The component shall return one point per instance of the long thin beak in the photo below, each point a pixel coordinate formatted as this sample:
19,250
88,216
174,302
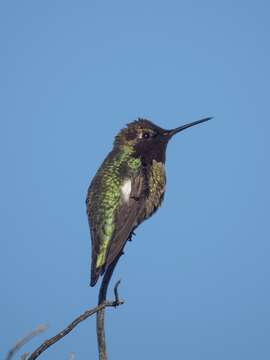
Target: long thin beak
172,132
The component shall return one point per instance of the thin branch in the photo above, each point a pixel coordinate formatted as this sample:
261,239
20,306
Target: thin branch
72,325
100,323
115,290
20,343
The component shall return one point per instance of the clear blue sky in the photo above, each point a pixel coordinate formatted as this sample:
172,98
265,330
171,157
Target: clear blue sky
196,277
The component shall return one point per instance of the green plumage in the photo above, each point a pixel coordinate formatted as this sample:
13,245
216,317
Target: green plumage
104,199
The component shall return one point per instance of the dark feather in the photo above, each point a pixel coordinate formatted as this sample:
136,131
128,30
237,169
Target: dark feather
126,219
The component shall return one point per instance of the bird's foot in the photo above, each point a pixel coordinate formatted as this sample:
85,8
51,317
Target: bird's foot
130,235
136,198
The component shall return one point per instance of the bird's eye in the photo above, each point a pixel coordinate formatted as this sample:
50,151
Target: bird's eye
146,135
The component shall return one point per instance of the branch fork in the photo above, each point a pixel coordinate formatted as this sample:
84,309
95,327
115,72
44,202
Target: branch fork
47,343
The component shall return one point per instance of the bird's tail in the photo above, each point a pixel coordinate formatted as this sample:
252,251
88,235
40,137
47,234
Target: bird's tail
95,272
94,279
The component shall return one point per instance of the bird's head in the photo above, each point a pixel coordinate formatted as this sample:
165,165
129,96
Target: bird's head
137,132
146,138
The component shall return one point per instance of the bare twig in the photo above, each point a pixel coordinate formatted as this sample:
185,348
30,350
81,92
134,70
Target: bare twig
115,290
72,325
100,324
20,343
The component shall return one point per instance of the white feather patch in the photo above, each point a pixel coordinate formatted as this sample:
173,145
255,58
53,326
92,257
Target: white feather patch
126,189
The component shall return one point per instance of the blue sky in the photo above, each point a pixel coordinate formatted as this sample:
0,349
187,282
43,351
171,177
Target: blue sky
196,277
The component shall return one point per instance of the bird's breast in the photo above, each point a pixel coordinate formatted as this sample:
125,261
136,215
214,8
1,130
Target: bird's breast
156,188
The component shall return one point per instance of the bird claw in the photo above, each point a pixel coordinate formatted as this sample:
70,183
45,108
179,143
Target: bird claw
130,235
136,198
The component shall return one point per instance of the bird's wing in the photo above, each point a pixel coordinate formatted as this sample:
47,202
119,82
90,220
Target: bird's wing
110,233
126,218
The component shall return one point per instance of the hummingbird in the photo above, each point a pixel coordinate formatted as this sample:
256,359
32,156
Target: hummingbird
127,189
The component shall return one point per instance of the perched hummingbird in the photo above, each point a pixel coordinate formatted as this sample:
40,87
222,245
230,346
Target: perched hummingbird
127,189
